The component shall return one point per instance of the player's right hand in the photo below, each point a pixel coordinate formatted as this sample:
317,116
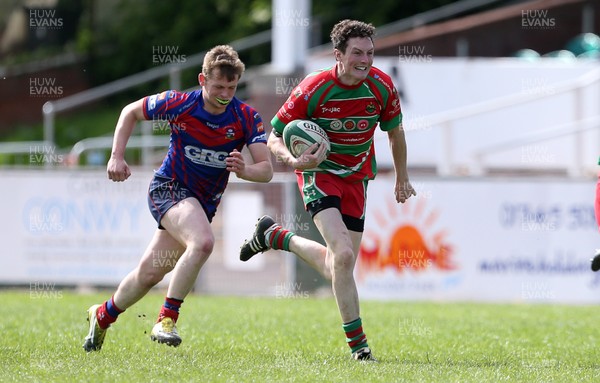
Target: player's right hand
117,170
312,157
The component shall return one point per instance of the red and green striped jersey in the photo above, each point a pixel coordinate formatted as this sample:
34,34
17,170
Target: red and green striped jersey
349,115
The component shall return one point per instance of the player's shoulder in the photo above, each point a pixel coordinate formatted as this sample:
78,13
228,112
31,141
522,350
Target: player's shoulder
316,78
312,82
245,108
379,77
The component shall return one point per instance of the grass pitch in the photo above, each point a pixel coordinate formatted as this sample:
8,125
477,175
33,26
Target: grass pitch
232,339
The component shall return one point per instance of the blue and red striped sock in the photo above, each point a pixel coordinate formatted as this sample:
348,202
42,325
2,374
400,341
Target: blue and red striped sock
170,309
108,313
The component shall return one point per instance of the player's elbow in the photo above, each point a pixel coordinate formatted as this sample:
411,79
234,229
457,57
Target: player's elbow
268,172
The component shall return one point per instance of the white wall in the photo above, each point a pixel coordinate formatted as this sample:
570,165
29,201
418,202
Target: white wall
431,87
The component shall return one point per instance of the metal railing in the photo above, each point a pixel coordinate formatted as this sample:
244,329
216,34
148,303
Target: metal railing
51,108
447,119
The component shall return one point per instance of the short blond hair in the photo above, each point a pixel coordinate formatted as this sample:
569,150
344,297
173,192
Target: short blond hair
224,58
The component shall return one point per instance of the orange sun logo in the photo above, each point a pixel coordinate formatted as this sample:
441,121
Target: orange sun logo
399,241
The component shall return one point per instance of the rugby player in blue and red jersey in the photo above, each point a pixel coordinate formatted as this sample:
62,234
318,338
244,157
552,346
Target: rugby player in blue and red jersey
209,128
349,101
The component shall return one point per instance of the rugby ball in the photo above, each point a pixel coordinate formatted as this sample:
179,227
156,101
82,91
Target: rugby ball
298,135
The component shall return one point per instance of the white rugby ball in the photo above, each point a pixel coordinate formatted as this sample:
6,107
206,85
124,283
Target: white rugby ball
298,135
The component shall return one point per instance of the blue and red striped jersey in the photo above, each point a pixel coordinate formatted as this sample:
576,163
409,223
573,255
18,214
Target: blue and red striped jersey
201,141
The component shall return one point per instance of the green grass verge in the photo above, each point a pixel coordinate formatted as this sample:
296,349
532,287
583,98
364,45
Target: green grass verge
233,339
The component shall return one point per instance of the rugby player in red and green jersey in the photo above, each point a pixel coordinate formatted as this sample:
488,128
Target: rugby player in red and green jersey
349,101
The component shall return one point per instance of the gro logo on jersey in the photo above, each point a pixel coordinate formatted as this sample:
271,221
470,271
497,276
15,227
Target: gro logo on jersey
206,157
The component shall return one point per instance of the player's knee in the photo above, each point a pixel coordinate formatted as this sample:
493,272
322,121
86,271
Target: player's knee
203,247
343,260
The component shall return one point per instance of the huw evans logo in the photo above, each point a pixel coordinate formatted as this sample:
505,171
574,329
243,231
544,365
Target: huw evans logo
537,19
411,245
44,19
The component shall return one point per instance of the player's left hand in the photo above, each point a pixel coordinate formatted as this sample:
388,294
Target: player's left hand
404,191
235,163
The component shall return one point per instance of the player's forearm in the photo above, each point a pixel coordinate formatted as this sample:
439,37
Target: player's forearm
279,150
259,172
399,155
125,125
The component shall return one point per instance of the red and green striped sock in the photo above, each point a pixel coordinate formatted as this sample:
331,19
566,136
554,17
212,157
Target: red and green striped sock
355,337
278,238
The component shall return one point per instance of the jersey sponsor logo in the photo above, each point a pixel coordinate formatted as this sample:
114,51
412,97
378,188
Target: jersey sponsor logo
381,80
259,138
314,89
211,125
297,92
335,125
290,105
285,114
186,106
371,108
349,124
260,127
351,140
363,124
332,109
396,105
230,133
206,157
152,102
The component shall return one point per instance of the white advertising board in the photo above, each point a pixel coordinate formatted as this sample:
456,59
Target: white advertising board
481,240
72,227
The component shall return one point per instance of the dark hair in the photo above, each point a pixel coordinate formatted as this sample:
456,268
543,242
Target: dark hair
226,59
347,29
